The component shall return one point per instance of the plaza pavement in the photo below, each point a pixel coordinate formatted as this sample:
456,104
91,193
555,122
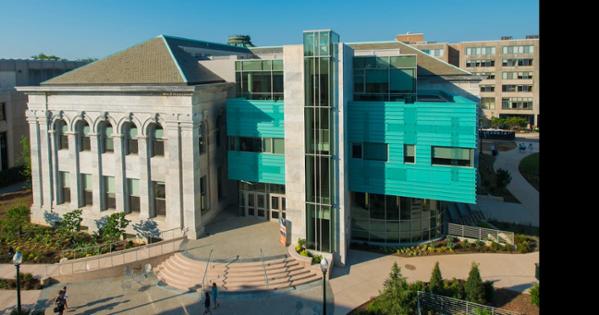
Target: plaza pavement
519,186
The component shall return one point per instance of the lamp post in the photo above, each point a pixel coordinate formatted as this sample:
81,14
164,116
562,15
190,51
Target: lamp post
17,259
324,265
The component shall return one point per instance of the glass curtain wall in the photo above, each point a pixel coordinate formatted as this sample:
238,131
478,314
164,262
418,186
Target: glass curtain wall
320,66
259,79
390,78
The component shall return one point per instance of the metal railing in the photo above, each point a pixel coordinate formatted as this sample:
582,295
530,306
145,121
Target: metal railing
206,269
439,304
114,258
480,233
264,268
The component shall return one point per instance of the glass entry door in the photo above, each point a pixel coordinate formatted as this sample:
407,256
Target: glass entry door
277,207
254,203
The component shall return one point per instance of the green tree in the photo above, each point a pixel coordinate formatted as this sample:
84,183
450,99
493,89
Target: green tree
474,287
534,295
114,227
71,221
396,297
42,56
502,179
16,218
435,285
26,157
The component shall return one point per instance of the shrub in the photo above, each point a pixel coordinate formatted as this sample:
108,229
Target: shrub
502,179
16,219
316,259
474,287
436,283
534,295
71,221
114,227
396,297
455,288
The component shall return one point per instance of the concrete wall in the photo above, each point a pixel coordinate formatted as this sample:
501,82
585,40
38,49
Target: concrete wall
295,164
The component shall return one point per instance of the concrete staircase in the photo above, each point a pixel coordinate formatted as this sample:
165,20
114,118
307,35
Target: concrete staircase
184,273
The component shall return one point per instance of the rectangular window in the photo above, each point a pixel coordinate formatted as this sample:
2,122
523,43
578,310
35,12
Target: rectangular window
508,88
356,150
131,144
84,139
157,142
110,190
87,189
2,111
409,153
133,191
375,151
108,142
65,191
203,195
487,88
487,102
278,146
63,138
452,156
159,198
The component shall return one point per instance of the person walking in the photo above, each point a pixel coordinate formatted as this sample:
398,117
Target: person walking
59,303
207,303
215,294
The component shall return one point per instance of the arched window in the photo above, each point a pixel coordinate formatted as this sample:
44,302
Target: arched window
106,138
62,140
83,132
130,132
157,138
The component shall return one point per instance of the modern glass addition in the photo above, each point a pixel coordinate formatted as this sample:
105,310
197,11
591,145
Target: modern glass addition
259,79
390,78
452,156
320,78
394,219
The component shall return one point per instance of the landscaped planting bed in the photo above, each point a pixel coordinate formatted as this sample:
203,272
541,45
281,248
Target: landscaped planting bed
28,282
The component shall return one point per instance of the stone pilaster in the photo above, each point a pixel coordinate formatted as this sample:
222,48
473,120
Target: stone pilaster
173,180
145,183
120,180
75,182
46,162
36,174
97,182
55,174
190,164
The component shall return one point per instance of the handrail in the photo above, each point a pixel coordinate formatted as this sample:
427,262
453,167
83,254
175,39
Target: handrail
206,269
264,268
480,233
451,305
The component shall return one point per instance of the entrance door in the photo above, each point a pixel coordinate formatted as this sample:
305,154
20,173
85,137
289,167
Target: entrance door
255,203
277,207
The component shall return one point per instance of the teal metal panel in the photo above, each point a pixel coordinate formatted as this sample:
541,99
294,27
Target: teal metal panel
423,124
256,167
254,118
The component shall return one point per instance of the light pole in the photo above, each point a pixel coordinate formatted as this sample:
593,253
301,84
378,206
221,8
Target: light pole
17,259
324,265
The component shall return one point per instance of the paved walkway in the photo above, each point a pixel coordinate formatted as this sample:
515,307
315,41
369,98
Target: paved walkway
505,211
364,277
519,187
230,235
8,299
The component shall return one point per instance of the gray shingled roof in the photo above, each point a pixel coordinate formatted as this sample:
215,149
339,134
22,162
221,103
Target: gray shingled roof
161,60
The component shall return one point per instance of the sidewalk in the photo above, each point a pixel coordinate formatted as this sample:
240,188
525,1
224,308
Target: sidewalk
367,272
519,187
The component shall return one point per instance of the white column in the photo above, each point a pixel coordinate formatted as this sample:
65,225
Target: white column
120,179
145,183
46,162
36,174
173,181
75,183
97,184
55,173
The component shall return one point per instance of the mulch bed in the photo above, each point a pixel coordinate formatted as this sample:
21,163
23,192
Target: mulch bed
514,301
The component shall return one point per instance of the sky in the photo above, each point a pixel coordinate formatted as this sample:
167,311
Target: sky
75,29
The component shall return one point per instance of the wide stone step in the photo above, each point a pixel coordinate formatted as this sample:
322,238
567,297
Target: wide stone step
260,278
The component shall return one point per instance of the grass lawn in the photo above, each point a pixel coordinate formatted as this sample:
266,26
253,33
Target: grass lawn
486,183
529,168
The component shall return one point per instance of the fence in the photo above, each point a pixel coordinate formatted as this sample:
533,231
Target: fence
115,258
480,233
429,303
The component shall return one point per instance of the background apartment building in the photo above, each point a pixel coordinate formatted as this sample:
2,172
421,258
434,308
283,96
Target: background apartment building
509,67
13,125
